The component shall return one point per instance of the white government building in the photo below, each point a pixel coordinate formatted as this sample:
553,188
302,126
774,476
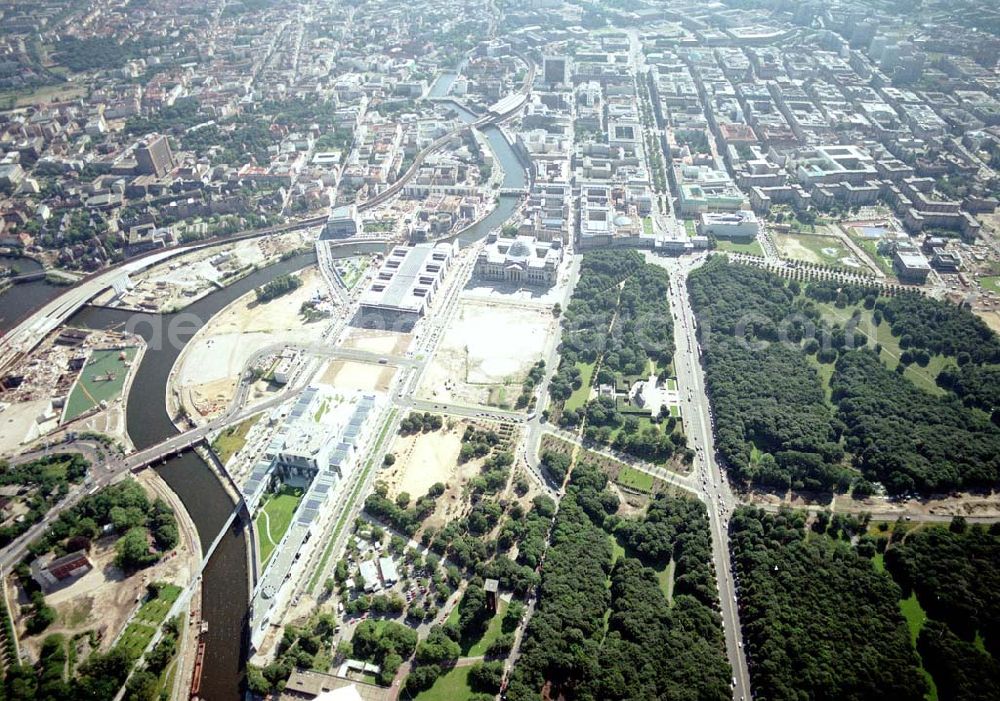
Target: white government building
521,259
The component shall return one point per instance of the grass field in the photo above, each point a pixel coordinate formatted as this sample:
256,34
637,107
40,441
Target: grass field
274,518
922,377
632,478
813,248
352,269
870,247
89,391
232,440
647,226
915,617
492,633
666,579
664,576
990,283
752,247
690,227
451,686
579,397
143,625
46,93
914,614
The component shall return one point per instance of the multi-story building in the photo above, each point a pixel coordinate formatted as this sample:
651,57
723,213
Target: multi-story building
153,156
522,259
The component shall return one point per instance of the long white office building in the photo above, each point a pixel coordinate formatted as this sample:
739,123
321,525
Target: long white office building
318,445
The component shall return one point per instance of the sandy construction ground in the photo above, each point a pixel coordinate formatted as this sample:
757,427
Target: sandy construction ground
349,374
17,424
423,459
211,363
486,353
376,341
179,281
992,319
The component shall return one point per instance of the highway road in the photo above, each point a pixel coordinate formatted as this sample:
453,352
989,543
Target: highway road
714,488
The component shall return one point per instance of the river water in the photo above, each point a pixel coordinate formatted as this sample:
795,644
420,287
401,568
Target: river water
19,300
225,596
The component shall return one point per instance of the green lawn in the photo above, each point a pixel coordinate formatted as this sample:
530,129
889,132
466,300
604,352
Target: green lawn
922,377
690,227
232,440
752,247
665,576
147,619
870,247
634,479
914,614
351,270
825,371
156,610
451,686
101,379
579,396
279,507
990,283
135,639
813,248
647,226
915,617
491,634
617,549
475,648
318,416
666,579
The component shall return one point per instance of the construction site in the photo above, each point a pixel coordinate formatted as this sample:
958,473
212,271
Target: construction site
73,380
175,283
209,368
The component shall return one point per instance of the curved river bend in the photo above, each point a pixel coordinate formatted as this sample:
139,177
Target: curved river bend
225,597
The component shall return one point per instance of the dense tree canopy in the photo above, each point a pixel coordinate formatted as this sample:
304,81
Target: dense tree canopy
765,393
956,576
819,621
940,327
620,309
909,439
591,638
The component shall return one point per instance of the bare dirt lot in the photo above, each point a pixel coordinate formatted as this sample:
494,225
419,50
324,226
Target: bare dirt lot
377,341
423,459
183,279
946,505
486,353
349,374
